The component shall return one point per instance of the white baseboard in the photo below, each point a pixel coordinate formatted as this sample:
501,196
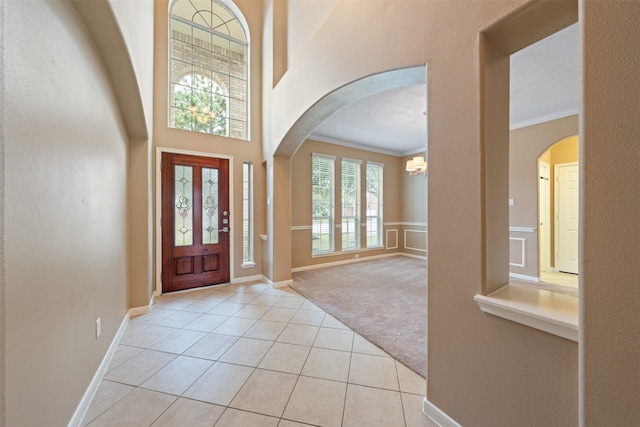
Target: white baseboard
247,279
282,284
89,394
437,415
524,277
422,257
353,260
137,311
345,261
276,285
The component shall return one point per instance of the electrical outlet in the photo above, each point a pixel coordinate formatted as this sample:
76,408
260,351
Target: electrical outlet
98,331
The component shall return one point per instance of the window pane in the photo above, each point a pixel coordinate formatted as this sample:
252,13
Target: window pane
183,201
247,212
237,109
209,206
238,90
350,204
374,205
221,57
238,61
322,204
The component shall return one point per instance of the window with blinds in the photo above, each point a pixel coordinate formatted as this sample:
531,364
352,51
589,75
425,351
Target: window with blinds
322,207
374,204
350,204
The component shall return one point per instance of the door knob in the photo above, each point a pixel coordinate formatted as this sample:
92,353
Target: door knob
224,230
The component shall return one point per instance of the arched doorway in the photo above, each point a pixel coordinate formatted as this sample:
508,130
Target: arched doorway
558,190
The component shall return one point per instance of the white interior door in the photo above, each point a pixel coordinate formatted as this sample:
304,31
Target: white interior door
544,216
566,209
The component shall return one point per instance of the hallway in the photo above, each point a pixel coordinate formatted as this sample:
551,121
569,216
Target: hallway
249,355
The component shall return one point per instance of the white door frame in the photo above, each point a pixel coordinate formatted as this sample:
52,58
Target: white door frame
556,193
158,204
544,216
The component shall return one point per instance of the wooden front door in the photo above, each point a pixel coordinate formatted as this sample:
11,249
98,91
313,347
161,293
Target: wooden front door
195,221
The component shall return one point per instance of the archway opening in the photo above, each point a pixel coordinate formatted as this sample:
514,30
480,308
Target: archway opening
558,206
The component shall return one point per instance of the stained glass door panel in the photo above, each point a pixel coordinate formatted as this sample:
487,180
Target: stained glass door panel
195,221
210,206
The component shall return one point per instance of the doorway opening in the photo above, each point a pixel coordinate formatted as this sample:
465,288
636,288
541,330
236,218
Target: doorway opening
558,206
544,94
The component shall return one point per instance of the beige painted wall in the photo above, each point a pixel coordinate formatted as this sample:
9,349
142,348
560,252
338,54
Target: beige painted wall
414,190
301,198
610,214
65,200
482,370
304,19
526,145
412,234
174,139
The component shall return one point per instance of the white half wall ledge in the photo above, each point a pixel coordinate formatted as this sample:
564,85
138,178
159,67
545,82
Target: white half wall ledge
547,311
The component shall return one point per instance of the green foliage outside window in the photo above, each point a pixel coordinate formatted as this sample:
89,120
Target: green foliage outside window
201,105
322,185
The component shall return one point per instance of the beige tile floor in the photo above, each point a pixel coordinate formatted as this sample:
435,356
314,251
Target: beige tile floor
249,355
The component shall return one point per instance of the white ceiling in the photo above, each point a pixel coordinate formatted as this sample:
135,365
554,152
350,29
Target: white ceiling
544,86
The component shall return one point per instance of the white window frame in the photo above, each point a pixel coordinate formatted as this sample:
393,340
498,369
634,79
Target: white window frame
358,195
247,216
219,79
380,209
317,224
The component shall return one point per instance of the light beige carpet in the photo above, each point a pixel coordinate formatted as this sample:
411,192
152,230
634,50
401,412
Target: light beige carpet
384,300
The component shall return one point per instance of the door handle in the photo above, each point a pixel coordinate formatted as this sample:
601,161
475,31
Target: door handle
224,230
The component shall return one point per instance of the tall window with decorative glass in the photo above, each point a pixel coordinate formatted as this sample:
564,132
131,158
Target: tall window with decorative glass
208,69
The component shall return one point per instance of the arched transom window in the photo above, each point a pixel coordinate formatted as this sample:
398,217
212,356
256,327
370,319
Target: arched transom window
208,71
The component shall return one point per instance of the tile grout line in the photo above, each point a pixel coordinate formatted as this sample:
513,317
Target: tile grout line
346,390
404,415
272,341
